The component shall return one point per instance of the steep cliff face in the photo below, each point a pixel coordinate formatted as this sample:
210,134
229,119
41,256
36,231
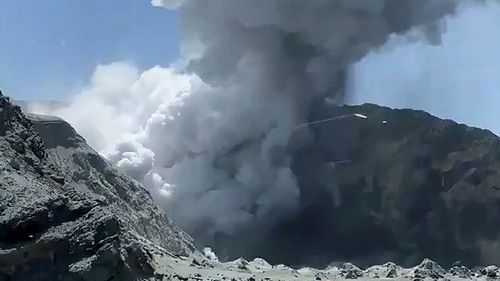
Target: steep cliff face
388,185
66,214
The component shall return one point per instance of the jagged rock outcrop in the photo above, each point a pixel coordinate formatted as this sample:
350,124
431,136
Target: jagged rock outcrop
387,270
66,214
428,269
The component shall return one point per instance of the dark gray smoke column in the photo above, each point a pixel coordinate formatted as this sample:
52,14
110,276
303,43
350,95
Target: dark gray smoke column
301,48
291,54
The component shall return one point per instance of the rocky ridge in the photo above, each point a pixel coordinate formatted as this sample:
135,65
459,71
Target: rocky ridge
67,214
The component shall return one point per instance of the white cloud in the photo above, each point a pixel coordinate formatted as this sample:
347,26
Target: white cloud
169,4
119,101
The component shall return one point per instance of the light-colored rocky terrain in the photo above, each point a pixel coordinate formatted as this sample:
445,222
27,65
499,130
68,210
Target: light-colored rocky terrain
200,268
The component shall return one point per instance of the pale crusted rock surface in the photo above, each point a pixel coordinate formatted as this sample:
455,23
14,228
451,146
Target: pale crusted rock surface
197,268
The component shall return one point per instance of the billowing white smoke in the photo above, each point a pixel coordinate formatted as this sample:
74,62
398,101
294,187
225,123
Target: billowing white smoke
118,101
212,144
209,254
180,137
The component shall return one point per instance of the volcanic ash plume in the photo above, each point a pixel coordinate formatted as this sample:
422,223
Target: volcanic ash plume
213,144
224,159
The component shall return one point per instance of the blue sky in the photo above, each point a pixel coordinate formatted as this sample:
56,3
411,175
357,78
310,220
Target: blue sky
48,48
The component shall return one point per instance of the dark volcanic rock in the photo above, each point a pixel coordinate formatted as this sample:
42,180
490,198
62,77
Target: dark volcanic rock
461,271
491,271
66,214
399,185
350,271
428,269
387,270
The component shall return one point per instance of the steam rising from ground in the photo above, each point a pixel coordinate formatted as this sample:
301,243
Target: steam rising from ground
212,142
